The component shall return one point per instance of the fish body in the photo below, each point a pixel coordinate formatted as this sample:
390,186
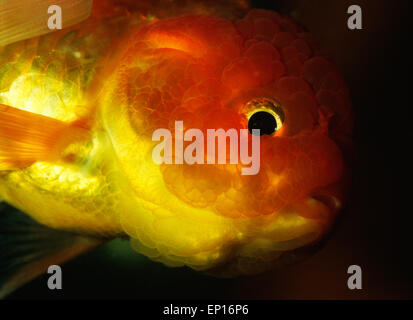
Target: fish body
92,95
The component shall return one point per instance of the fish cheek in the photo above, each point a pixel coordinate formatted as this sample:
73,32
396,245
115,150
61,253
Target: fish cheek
197,185
296,166
301,113
325,165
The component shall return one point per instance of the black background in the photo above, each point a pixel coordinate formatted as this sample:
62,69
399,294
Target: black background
375,230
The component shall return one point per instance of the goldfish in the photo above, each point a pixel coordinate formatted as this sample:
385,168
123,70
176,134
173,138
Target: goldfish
79,107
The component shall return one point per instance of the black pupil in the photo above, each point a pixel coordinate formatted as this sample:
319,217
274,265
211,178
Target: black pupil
264,121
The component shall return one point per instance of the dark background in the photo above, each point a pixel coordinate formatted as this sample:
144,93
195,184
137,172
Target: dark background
375,230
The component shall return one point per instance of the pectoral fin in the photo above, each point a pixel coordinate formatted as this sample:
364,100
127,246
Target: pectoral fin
26,137
27,248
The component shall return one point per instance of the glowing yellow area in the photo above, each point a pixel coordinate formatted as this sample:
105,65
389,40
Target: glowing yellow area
75,195
63,176
45,95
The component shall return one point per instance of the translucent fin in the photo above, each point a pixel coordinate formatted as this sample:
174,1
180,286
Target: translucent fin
28,248
27,137
24,19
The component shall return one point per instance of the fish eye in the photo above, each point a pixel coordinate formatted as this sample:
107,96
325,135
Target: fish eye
264,114
264,121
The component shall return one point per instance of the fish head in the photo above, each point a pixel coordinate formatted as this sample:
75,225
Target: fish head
206,73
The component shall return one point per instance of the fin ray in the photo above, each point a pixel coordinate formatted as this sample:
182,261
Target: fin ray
26,137
24,19
28,248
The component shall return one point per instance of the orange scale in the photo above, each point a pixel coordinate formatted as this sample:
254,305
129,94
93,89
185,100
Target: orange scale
145,89
308,102
169,107
156,120
138,46
256,185
302,169
142,79
286,192
245,28
326,155
330,171
288,25
276,159
175,91
193,75
263,73
303,47
229,48
173,77
289,52
212,87
204,109
223,118
265,28
228,211
154,99
278,70
196,104
310,39
240,74
203,25
325,115
303,58
294,175
249,43
261,205
294,66
266,207
192,92
140,100
316,171
283,39
262,55
164,109
225,93
287,86
242,209
165,73
298,118
165,93
315,69
213,66
263,50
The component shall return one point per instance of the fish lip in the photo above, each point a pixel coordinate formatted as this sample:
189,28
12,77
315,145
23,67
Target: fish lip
330,201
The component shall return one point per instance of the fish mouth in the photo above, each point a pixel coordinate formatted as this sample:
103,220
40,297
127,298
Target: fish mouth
330,201
319,207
